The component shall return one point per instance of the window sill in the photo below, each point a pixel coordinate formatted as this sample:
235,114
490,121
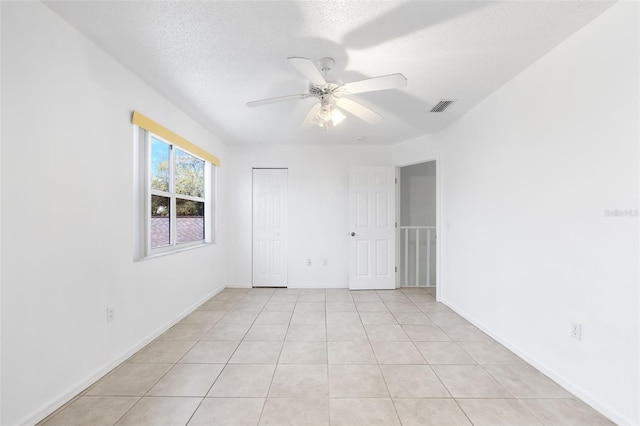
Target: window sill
170,252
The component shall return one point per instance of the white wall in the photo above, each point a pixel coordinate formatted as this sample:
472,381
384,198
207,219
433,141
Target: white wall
526,179
67,184
318,208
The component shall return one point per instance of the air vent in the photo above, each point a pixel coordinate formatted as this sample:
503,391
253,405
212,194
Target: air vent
442,105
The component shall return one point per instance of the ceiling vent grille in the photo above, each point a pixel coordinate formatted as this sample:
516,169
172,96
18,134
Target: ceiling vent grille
442,105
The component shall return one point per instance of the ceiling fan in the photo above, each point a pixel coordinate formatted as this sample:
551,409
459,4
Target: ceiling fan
333,94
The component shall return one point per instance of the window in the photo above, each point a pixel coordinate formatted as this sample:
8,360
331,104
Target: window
173,196
176,196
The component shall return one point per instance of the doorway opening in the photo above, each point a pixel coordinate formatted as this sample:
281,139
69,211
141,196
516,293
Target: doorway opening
417,226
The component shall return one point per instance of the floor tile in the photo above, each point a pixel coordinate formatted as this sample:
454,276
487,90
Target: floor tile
309,307
432,307
203,317
295,412
392,296
371,307
160,411
362,412
343,318
311,297
163,351
386,333
226,332
238,318
263,333
403,307
415,318
249,307
187,380
338,295
130,380
313,317
256,353
228,412
465,333
274,306
346,333
469,381
243,380
359,381
227,296
524,381
365,296
443,353
212,305
306,333
420,297
182,331
430,412
299,381
337,306
303,353
566,412
413,381
397,353
426,333
350,353
377,318
319,356
498,412
490,353
256,298
92,410
210,352
273,318
263,291
286,297
447,319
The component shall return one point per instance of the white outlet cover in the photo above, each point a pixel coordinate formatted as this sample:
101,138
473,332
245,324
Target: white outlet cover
576,330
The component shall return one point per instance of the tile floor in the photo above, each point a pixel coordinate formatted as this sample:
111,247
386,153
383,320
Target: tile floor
320,357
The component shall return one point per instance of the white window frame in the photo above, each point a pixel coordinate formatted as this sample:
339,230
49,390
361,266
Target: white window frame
143,193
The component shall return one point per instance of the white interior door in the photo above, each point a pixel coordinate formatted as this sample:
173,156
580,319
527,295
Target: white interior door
270,227
372,244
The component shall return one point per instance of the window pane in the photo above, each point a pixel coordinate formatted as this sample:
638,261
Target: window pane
190,220
189,174
159,165
160,226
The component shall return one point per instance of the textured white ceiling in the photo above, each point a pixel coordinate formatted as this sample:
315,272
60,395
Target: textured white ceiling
210,58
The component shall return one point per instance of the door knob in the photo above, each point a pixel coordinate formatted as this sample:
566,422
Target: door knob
353,234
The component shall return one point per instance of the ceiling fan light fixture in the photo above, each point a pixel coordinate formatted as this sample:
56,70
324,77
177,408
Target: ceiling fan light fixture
331,92
337,116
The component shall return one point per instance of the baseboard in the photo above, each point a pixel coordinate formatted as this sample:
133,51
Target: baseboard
67,396
238,286
324,285
577,391
297,286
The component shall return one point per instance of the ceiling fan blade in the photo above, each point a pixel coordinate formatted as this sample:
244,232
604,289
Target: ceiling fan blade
391,81
311,115
308,70
359,110
277,99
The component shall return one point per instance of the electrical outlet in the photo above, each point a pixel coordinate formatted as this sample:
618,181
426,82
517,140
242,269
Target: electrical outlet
576,330
325,262
308,262
110,316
